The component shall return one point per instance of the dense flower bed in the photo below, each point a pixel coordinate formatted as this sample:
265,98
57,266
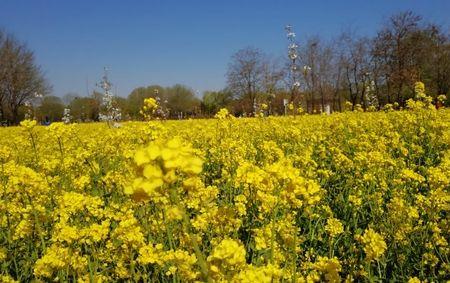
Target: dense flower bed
356,196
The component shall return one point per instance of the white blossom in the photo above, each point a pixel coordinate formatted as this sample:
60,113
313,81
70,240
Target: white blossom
111,113
66,116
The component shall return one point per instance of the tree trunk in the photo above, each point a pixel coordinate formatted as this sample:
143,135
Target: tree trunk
15,115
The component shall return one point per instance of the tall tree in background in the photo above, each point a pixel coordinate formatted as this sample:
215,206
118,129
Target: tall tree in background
253,77
84,109
2,75
273,74
319,74
356,69
181,100
396,55
137,96
326,76
51,108
20,78
433,58
244,76
309,57
337,75
68,97
213,101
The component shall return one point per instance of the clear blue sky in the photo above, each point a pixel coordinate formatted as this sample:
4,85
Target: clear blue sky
187,42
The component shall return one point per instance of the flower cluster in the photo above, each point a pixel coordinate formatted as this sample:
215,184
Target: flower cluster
149,108
162,163
374,244
223,114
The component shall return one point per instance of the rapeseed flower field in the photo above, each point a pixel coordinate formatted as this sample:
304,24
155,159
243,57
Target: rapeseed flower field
341,197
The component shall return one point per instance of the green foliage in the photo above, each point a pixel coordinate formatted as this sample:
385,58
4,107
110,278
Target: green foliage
84,109
51,107
135,100
212,101
181,99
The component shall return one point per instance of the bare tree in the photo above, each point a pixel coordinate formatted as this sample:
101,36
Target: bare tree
245,74
272,75
337,78
395,55
2,76
325,75
272,78
20,78
309,56
432,58
356,68
321,74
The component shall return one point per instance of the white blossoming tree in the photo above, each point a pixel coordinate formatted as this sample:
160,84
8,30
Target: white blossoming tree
111,113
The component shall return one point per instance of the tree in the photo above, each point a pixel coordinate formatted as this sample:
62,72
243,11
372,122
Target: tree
273,74
137,96
321,74
244,76
20,78
309,56
213,101
433,58
122,104
2,75
51,108
181,100
356,67
396,56
84,109
68,97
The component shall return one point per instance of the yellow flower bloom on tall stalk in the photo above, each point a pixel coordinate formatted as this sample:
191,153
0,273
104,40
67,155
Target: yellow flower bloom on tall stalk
263,274
149,108
421,101
222,114
162,162
419,88
414,280
334,227
374,244
227,258
329,267
442,98
264,106
291,106
28,124
2,254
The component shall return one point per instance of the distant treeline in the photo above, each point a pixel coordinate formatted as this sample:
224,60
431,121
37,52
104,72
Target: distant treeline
349,68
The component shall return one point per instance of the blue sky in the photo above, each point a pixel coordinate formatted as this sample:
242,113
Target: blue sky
187,42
